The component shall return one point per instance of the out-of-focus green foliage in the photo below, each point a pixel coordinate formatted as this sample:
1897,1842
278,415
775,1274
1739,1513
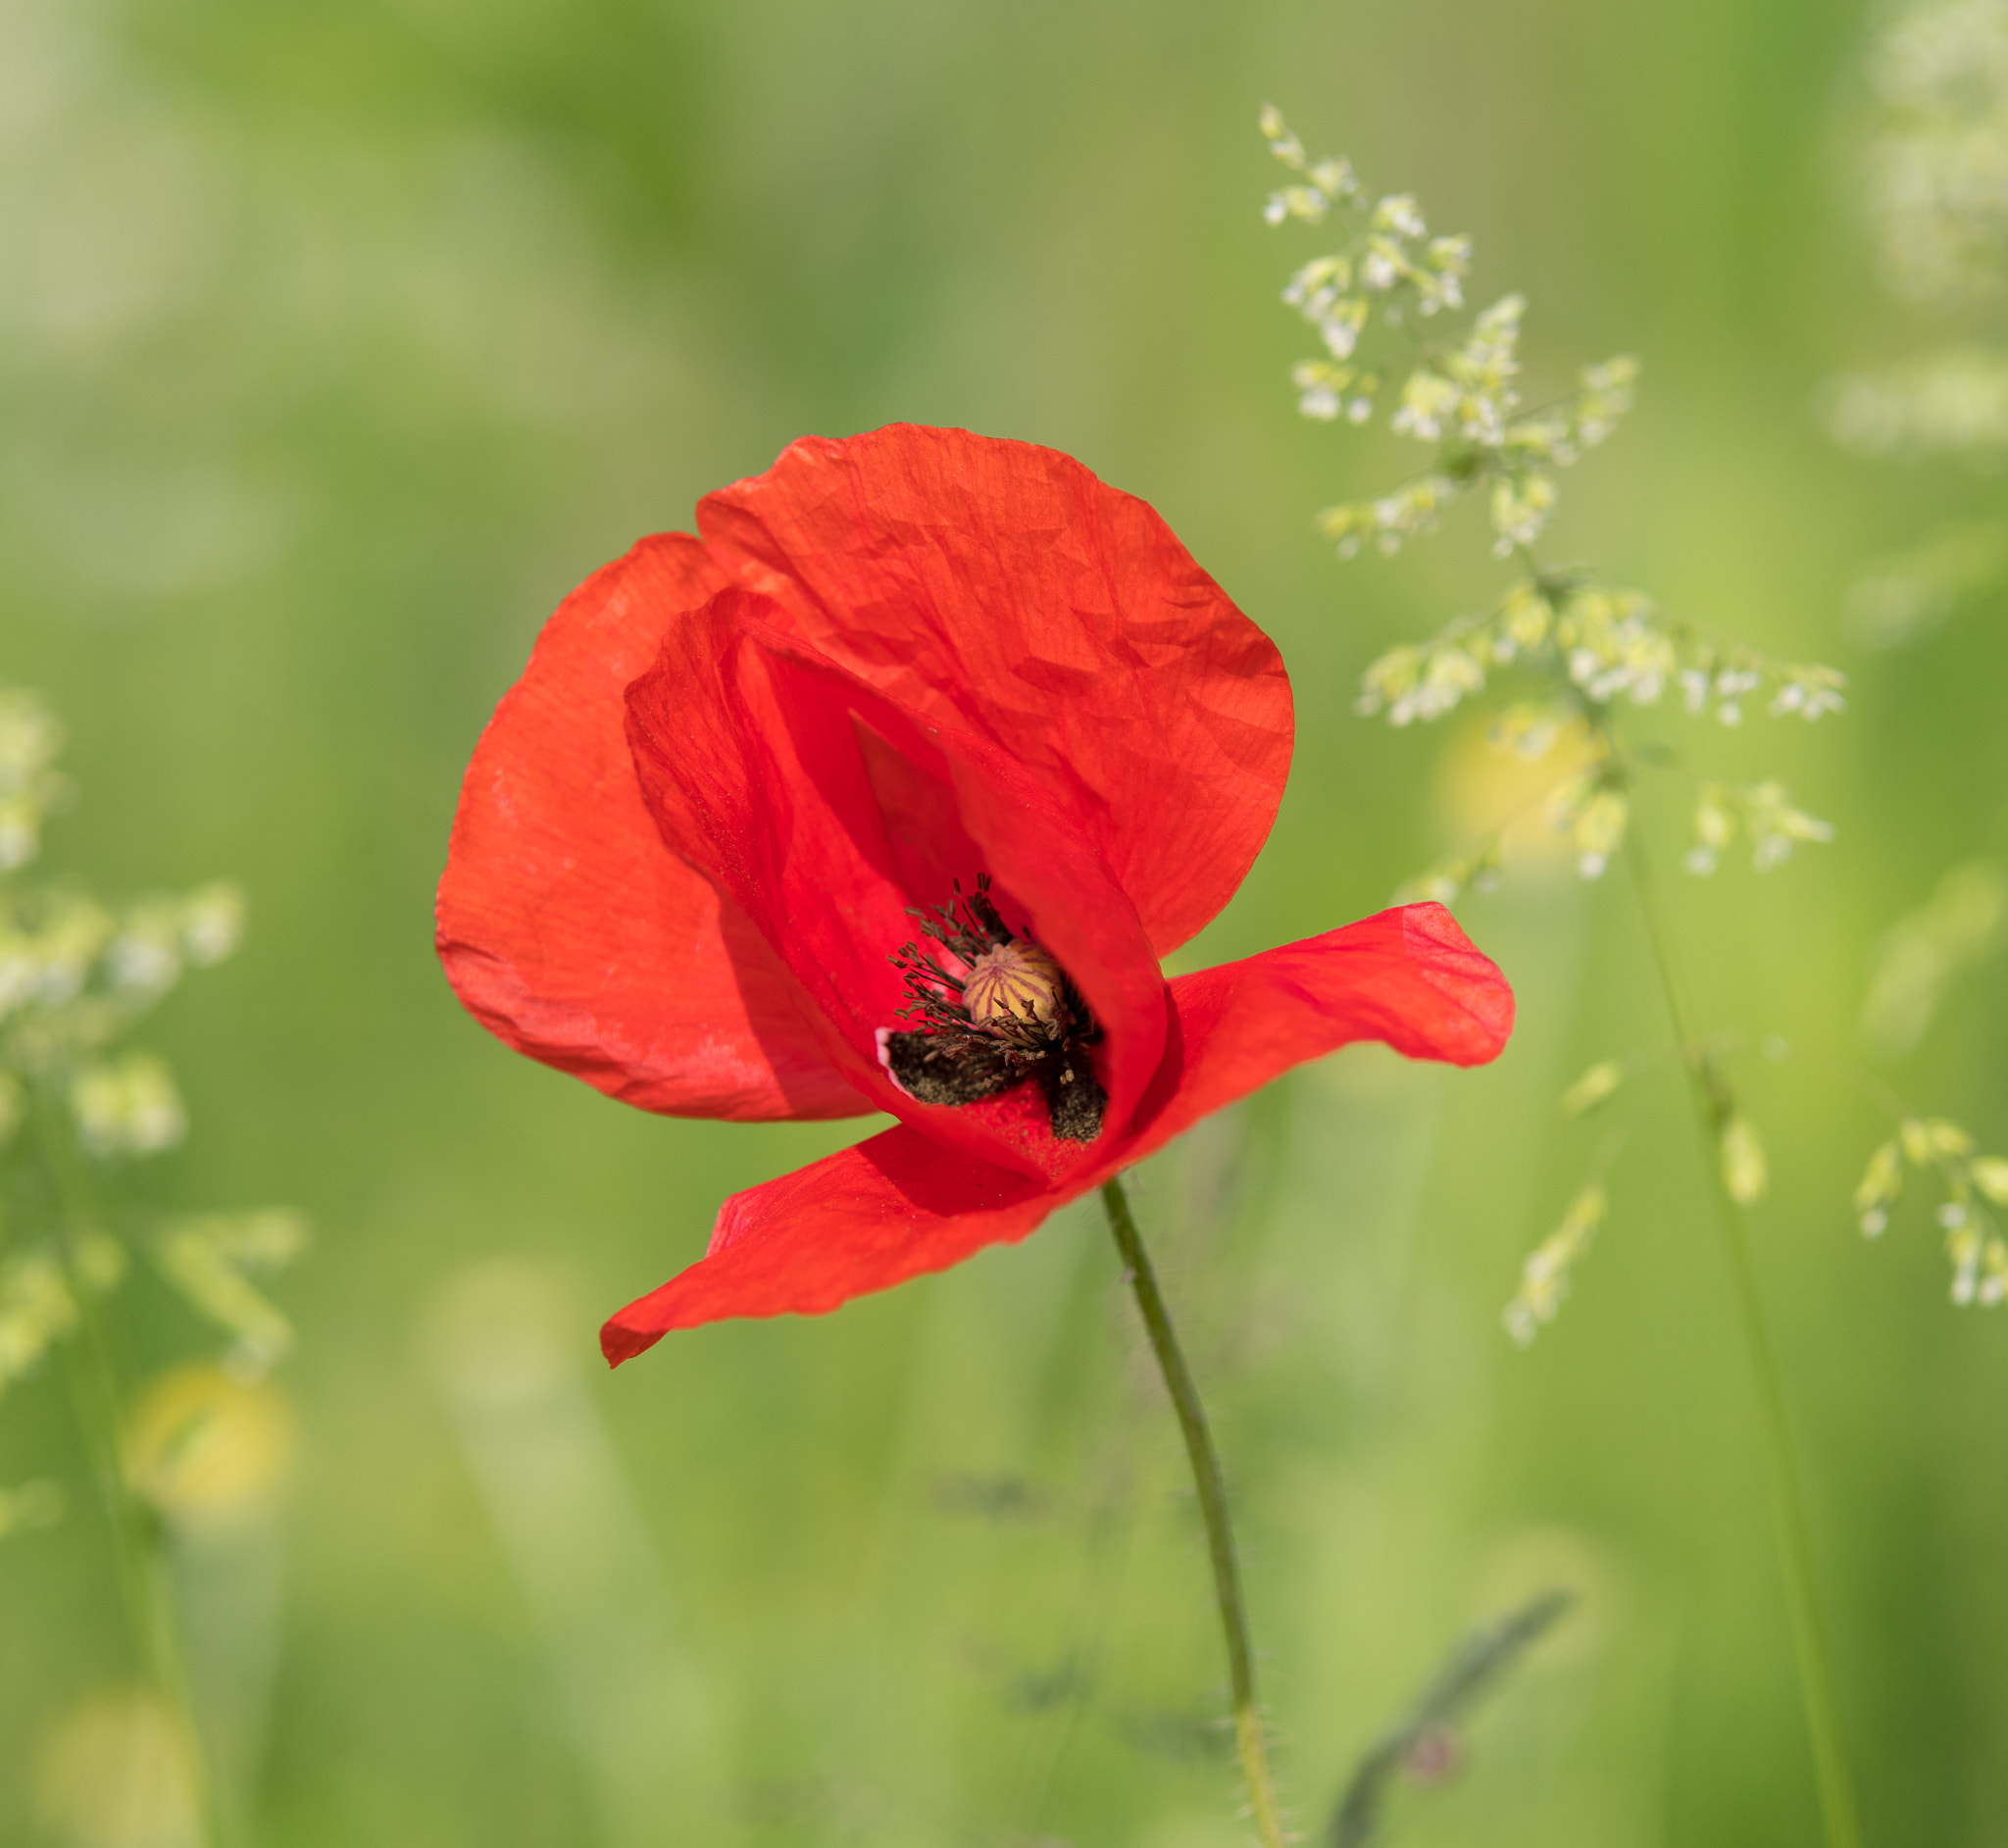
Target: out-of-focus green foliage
338,342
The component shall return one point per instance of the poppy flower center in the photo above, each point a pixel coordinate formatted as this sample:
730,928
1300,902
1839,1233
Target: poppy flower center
1015,981
991,1009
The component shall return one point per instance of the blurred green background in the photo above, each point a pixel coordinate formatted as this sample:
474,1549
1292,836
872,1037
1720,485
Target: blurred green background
338,342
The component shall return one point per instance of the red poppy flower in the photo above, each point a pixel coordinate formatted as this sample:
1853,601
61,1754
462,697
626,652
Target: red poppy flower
917,674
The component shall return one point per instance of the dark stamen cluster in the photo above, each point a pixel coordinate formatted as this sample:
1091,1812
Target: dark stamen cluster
991,1010
965,927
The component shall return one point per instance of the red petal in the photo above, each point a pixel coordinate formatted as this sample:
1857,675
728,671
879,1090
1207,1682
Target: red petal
863,1220
567,928
752,771
1408,977
1052,884
899,1205
818,806
1000,588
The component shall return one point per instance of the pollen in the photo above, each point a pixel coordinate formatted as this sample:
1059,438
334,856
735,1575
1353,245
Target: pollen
1015,981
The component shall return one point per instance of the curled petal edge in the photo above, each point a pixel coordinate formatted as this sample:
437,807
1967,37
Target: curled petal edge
898,1205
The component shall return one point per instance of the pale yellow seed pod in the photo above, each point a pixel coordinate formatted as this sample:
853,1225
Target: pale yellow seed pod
1544,1274
1880,1184
1713,823
1600,830
1962,1245
1990,1173
1744,1171
1586,1214
1526,617
1993,1286
1592,1088
1947,1138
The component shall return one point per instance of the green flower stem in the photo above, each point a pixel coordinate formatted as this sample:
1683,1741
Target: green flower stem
1213,1506
135,1529
1714,1104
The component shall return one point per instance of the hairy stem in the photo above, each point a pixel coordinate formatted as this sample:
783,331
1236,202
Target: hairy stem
1714,1104
136,1533
1213,1506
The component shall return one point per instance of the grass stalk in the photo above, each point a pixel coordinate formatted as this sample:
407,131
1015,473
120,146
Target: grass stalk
136,1528
1714,1107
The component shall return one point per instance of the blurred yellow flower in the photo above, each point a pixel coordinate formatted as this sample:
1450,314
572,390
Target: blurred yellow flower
1493,780
116,1773
203,1447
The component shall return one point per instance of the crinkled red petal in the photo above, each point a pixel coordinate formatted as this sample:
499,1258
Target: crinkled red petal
900,1204
1051,884
829,814
1408,977
1105,695
863,1220
567,928
1001,589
